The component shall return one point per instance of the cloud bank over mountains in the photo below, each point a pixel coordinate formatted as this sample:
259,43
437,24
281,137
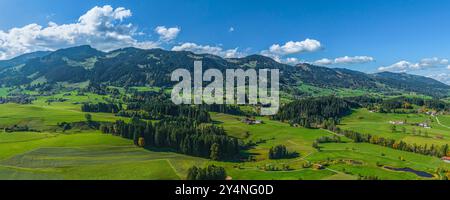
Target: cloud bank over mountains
102,27
436,68
291,47
215,50
107,28
345,60
167,34
406,66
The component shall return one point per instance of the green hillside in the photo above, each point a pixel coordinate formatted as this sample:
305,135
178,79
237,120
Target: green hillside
82,153
84,114
138,67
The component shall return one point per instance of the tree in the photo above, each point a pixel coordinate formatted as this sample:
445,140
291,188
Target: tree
136,137
247,134
280,151
393,128
88,118
141,141
407,105
66,127
215,152
445,150
211,172
180,134
321,112
271,153
192,173
315,145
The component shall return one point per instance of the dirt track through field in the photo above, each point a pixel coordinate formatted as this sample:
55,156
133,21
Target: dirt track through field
439,122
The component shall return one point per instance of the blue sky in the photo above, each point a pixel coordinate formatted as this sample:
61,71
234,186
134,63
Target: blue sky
393,35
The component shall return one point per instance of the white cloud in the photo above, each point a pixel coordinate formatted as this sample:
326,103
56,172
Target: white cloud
354,59
432,62
401,66
404,66
442,77
271,55
197,48
167,34
323,61
102,27
147,45
291,61
215,50
281,59
345,60
292,47
233,53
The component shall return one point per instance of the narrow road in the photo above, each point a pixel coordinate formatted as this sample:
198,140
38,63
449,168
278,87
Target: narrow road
439,122
330,132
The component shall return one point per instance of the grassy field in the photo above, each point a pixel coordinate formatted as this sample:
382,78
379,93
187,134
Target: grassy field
365,158
91,155
314,91
23,137
42,115
364,121
3,92
97,156
81,156
147,89
271,133
341,156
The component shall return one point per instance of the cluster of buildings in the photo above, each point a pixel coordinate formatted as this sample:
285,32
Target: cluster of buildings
251,121
422,124
397,122
431,113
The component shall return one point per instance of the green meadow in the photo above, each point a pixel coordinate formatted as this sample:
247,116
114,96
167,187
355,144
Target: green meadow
91,155
43,115
81,156
95,156
3,92
364,121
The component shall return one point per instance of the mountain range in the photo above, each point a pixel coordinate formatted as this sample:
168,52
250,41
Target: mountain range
153,67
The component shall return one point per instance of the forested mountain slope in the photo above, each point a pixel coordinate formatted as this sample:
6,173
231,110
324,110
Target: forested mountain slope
138,67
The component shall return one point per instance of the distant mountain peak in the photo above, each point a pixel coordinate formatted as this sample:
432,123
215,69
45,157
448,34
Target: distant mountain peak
22,59
78,53
138,67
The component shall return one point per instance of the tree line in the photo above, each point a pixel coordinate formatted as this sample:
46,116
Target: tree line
19,99
101,107
154,110
433,150
158,107
312,112
329,139
210,172
280,152
392,104
179,134
223,108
